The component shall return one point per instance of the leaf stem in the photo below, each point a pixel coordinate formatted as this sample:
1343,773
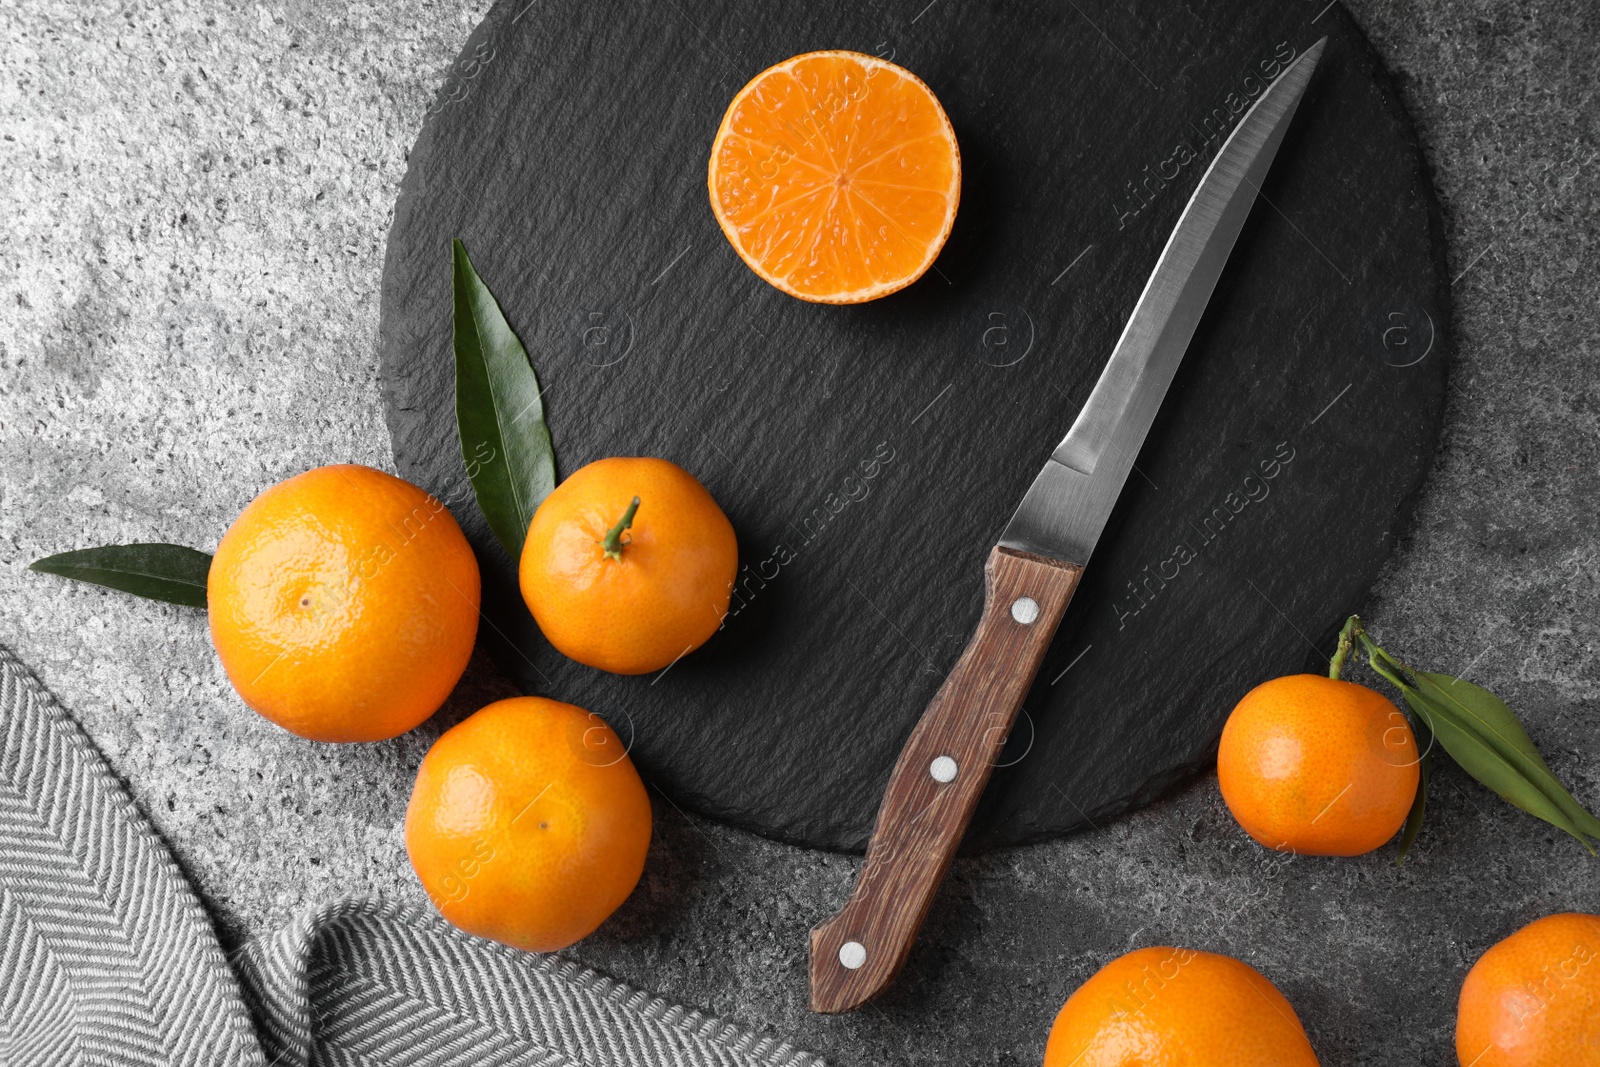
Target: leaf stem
1385,665
1352,629
613,542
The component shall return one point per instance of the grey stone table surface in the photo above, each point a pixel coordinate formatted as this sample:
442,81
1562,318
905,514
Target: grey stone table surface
196,198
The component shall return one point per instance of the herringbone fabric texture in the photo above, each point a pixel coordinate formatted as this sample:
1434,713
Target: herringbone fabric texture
106,957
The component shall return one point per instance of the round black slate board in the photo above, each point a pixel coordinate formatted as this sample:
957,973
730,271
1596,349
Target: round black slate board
869,456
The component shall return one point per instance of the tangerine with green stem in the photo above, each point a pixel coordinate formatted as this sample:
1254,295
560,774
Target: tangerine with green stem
628,565
1318,765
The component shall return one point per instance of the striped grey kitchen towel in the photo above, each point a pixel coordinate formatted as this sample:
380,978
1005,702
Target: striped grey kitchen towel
106,957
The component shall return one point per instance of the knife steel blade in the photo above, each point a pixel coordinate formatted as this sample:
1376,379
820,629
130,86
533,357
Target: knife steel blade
1032,573
1062,514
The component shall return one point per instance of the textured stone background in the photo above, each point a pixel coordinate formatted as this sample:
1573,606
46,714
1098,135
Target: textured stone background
195,203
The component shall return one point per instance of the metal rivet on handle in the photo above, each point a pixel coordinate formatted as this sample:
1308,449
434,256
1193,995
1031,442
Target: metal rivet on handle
1025,609
853,954
943,769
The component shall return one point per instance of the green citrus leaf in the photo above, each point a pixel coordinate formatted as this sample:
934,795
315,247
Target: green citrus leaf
1419,803
1480,759
171,573
1489,717
499,416
1487,712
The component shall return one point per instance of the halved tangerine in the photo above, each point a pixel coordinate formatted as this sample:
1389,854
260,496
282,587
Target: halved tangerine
835,176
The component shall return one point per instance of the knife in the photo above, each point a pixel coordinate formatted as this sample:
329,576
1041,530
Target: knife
1031,574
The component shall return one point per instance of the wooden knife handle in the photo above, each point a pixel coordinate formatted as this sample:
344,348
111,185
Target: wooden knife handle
937,780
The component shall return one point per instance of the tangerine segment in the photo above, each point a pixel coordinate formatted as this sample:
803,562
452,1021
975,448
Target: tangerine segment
835,176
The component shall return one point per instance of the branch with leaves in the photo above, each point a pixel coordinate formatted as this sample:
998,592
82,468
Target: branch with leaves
1477,730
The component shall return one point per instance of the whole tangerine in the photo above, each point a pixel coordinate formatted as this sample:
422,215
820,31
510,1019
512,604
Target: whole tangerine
1177,1007
528,823
1318,766
628,565
1533,1000
343,604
